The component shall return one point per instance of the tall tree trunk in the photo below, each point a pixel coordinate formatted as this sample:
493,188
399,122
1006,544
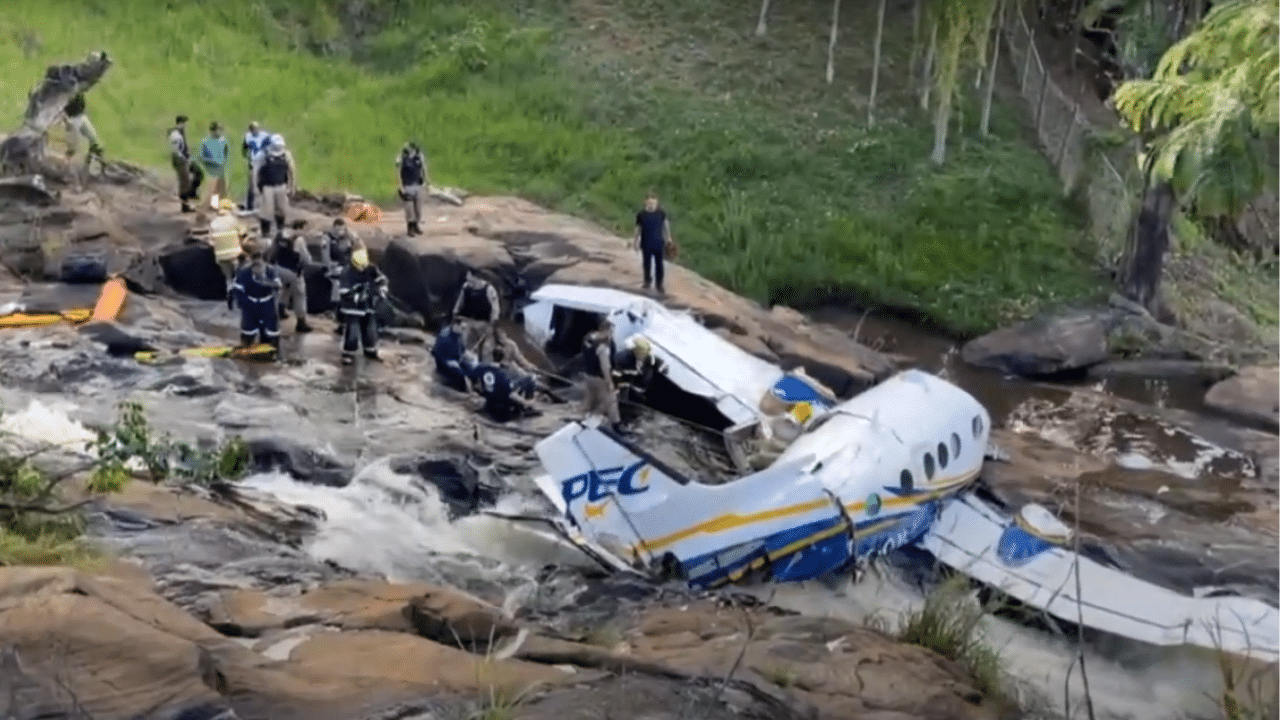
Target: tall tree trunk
875,68
915,37
762,25
926,74
984,125
1148,242
22,152
831,44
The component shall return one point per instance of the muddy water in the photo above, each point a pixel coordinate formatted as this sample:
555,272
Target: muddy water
1001,393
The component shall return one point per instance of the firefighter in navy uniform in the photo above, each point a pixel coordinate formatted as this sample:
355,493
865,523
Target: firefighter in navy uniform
289,254
477,300
600,397
362,284
499,386
338,246
256,290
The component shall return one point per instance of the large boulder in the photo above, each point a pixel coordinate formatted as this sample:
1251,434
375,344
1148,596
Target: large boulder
1251,395
519,247
1046,345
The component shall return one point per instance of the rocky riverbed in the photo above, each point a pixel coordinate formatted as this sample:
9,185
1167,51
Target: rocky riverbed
350,577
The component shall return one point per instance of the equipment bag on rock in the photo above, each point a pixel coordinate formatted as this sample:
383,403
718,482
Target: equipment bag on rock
83,269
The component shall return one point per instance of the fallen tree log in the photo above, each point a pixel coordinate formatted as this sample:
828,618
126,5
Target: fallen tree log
22,153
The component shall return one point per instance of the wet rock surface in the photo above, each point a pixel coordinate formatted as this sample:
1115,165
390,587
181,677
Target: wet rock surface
225,607
1252,395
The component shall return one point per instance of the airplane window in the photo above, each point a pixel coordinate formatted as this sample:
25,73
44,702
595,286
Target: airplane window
977,426
942,456
955,445
928,466
907,482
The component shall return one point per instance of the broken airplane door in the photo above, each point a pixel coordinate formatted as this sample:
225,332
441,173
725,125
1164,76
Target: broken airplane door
780,522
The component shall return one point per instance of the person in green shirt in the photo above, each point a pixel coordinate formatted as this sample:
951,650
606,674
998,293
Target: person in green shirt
214,152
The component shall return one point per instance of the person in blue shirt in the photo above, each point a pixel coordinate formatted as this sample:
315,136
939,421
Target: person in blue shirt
256,292
213,155
254,147
499,386
653,235
448,352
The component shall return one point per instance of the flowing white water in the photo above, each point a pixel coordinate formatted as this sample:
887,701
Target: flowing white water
396,525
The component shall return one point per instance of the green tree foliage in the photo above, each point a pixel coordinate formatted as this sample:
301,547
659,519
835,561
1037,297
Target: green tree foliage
39,525
963,30
1209,112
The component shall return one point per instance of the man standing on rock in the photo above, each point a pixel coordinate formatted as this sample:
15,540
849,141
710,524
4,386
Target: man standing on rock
256,291
253,149
362,285
600,398
277,180
478,300
189,174
213,153
412,166
653,233
78,126
289,256
338,243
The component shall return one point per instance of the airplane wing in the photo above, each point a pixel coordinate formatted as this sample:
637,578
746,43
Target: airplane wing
990,547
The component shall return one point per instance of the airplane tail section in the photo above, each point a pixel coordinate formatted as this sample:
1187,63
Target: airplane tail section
781,521
602,483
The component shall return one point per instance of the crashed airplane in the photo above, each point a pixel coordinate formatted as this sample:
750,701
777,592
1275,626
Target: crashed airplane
894,466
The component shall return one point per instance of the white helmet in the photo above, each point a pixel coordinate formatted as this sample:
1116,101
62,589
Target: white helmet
277,139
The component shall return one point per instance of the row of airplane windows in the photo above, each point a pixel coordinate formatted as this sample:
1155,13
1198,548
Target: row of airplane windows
908,481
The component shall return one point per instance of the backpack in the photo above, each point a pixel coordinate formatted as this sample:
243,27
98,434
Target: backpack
83,269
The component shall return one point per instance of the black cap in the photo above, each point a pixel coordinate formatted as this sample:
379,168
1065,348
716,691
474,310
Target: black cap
180,119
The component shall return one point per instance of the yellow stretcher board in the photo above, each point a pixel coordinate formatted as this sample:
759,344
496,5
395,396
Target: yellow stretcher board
110,304
261,351
26,320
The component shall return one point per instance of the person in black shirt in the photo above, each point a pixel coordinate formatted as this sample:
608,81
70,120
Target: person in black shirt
653,233
412,166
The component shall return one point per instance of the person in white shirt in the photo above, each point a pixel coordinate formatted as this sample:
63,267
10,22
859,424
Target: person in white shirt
253,148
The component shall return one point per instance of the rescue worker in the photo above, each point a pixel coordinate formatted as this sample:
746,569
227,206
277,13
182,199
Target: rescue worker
498,386
448,351
277,180
257,289
362,284
289,255
78,126
338,244
597,358
412,166
253,149
477,300
226,234
189,174
635,366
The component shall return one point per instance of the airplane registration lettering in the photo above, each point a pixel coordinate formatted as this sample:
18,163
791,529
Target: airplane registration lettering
596,485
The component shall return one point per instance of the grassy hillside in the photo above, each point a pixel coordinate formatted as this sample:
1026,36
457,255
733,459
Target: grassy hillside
774,184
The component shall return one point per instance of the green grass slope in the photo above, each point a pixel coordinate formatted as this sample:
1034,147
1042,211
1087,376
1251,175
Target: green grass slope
775,186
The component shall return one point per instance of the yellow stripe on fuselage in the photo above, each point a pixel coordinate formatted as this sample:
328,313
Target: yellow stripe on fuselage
730,521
